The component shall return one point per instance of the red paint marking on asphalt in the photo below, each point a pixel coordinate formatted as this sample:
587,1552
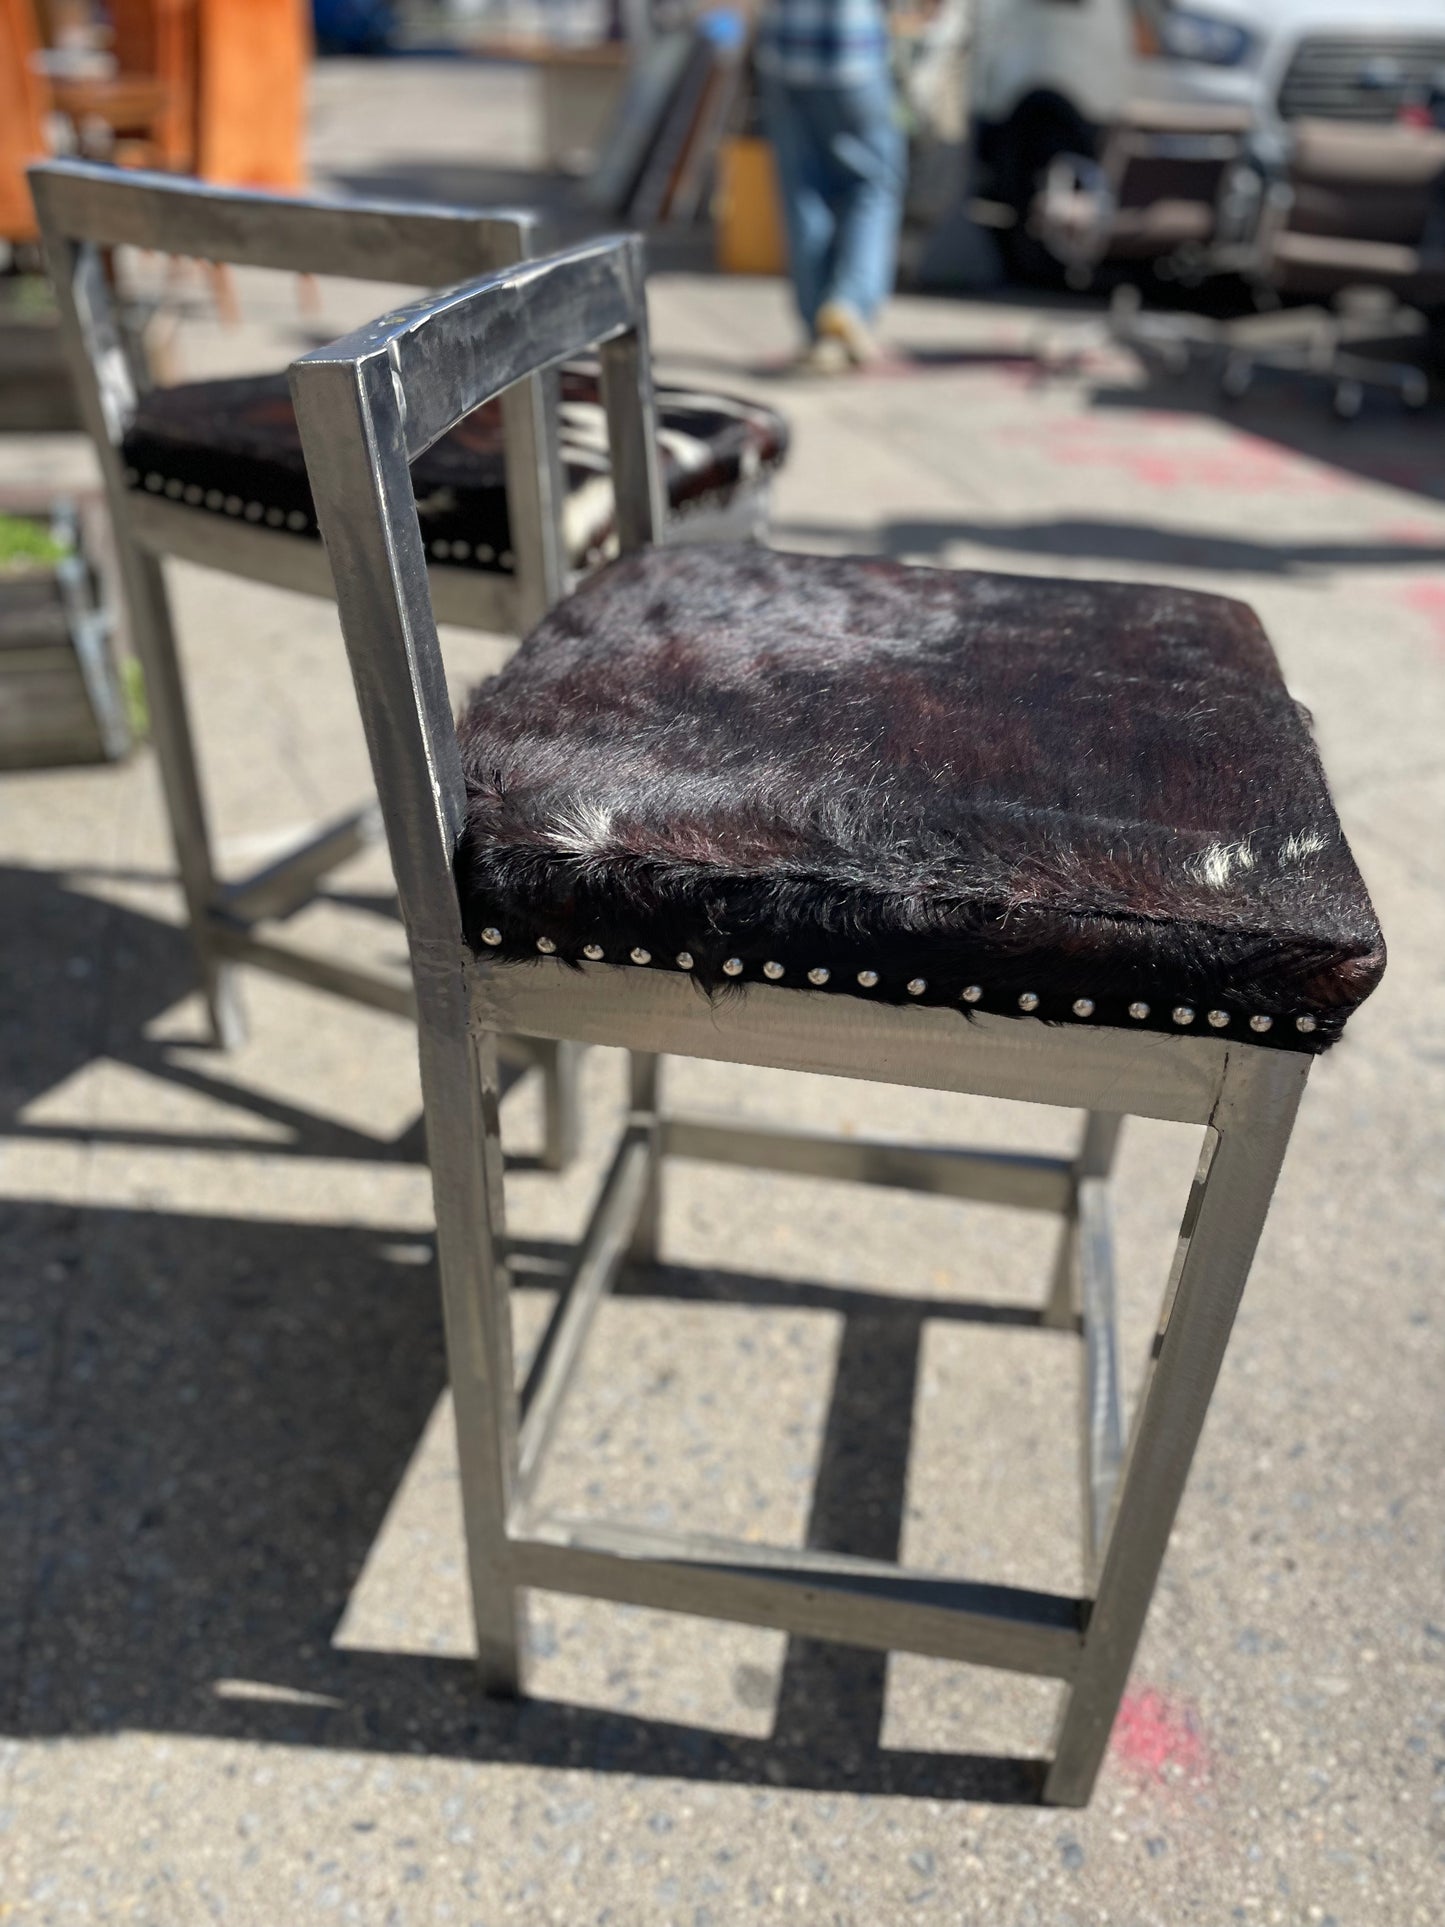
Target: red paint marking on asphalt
1158,1740
1427,599
1177,455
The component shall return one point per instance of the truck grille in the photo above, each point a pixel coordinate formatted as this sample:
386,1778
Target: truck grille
1358,76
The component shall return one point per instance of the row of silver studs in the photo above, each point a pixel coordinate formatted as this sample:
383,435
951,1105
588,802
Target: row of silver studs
193,495
445,551
1028,1002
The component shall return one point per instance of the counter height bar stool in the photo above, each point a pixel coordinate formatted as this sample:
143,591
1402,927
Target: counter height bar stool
212,472
86,210
620,846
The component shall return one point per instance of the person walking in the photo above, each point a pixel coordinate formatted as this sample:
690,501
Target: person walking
830,113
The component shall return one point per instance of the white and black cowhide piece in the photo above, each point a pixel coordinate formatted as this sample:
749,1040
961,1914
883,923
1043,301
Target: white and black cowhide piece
232,448
1080,801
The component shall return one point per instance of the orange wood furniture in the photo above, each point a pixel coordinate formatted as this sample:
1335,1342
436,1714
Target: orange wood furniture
22,118
251,97
158,37
146,110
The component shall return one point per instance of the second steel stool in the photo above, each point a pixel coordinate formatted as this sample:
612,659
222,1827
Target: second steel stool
211,473
1064,842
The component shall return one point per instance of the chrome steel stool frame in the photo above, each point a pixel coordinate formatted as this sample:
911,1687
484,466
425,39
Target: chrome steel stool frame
86,209
369,405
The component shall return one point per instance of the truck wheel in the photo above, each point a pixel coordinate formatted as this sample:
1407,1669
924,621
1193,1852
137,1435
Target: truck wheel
1028,148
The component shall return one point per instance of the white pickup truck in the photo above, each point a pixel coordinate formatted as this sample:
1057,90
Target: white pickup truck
1047,75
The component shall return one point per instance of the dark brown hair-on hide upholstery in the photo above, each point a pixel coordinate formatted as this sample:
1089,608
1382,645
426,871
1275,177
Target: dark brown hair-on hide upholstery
1076,790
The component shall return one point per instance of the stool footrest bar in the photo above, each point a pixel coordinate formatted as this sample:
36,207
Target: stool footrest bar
291,881
378,992
819,1595
599,1258
991,1177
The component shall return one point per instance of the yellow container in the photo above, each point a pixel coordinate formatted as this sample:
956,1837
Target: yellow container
747,210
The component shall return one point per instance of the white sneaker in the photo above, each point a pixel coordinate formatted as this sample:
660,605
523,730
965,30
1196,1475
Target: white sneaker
825,356
839,323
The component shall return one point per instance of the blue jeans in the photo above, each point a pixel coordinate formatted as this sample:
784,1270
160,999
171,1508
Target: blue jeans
842,166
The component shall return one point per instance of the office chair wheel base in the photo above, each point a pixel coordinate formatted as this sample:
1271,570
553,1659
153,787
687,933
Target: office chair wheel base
1349,399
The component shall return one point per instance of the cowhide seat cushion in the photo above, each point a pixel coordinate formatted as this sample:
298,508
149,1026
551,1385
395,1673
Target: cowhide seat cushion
232,448
1084,802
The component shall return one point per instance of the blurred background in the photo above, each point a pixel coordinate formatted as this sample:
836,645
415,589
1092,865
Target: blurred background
1226,159
1170,303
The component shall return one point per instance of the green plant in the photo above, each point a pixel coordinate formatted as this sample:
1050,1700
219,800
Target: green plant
27,296
27,544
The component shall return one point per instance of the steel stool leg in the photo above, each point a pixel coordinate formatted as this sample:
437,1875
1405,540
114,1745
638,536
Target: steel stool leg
560,1065
1222,1224
155,644
644,1081
463,1111
1095,1160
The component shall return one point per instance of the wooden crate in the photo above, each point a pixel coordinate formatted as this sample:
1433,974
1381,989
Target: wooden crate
60,696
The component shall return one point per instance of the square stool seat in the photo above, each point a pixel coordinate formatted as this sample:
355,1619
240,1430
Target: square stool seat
231,448
1084,802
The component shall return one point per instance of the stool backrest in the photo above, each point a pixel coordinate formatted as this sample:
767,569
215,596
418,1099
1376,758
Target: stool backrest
367,407
86,210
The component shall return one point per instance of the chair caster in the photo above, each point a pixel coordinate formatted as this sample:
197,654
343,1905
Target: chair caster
1349,399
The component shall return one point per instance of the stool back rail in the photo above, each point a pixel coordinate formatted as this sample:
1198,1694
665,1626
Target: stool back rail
86,210
368,405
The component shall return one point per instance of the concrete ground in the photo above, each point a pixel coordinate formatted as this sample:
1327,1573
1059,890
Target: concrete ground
233,1633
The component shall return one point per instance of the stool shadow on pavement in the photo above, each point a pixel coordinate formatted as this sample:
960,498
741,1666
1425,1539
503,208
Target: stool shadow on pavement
86,977
203,1421
1151,545
208,1419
